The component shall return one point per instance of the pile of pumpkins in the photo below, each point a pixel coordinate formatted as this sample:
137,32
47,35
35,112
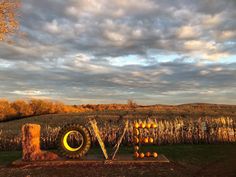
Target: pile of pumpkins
144,125
137,140
147,154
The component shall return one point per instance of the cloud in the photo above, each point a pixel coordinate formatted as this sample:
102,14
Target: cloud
116,38
52,27
29,92
114,50
228,34
120,28
186,32
80,80
212,20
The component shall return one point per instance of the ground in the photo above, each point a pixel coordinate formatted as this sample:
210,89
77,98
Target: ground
186,161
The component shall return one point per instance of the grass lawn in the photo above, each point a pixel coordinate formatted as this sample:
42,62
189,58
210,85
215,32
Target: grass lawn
189,155
6,157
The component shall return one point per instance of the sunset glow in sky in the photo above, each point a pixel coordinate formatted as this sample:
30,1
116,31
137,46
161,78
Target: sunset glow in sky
108,51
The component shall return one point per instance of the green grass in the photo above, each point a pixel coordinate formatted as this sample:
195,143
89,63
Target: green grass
199,155
6,157
191,154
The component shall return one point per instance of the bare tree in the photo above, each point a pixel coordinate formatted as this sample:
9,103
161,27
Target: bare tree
131,104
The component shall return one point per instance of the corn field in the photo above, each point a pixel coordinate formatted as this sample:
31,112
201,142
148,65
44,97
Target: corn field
175,131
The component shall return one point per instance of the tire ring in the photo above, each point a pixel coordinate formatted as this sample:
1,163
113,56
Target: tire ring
75,153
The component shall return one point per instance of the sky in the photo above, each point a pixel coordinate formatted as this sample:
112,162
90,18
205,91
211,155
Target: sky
109,51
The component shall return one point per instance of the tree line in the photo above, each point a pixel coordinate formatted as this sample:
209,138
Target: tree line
26,108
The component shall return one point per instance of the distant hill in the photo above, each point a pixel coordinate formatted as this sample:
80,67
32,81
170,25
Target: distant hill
199,109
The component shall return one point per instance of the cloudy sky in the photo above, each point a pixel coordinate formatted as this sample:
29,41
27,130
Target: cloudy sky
108,51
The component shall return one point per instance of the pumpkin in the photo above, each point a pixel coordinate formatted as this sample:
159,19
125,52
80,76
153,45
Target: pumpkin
148,125
155,154
141,155
136,125
145,140
136,154
151,140
136,140
136,132
154,125
142,125
148,154
136,148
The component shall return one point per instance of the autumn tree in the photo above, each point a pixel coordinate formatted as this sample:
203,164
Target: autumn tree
40,107
59,107
9,23
6,110
22,108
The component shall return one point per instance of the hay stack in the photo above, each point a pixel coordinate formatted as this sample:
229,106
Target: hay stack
31,144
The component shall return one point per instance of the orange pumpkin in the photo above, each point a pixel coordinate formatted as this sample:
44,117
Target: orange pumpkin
136,140
141,155
154,125
148,125
136,148
151,140
142,125
145,140
136,125
148,154
155,154
136,154
136,132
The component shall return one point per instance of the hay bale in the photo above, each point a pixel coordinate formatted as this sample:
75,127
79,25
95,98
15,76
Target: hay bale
31,144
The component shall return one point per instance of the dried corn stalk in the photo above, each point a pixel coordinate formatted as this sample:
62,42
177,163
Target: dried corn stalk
120,140
97,134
